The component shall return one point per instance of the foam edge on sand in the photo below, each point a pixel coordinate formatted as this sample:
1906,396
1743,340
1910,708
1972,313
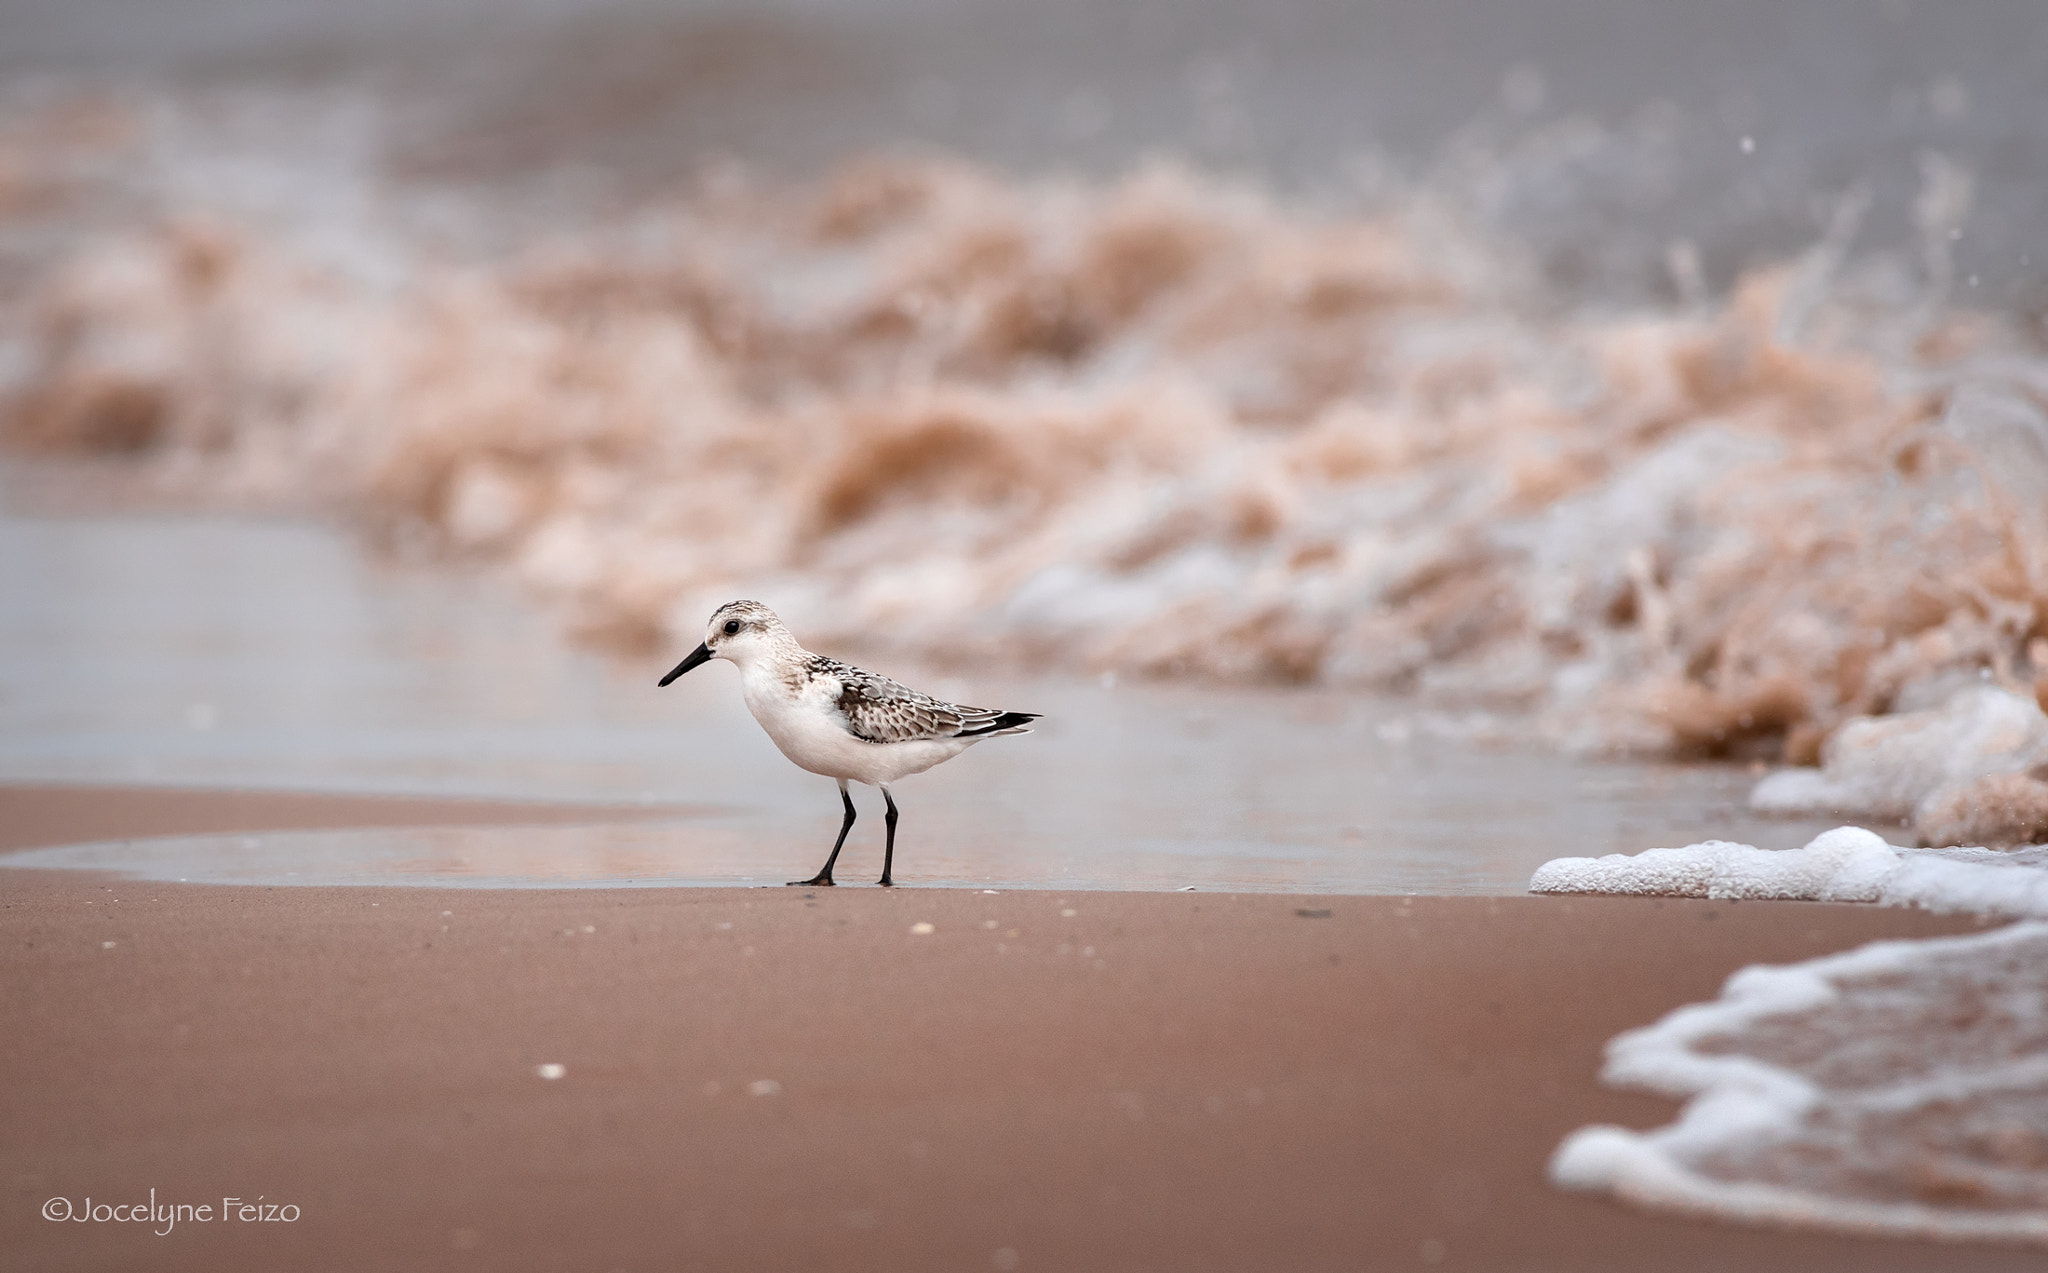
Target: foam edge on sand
1882,1092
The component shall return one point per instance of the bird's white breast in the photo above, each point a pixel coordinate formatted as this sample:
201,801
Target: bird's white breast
802,716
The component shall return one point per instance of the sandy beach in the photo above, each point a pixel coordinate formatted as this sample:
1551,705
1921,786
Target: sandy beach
798,1078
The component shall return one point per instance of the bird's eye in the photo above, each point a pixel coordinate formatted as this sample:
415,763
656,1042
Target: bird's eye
731,626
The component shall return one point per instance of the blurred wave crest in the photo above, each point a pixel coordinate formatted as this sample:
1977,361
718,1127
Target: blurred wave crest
1168,424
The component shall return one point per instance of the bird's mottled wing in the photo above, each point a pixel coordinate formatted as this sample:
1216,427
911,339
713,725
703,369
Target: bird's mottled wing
878,710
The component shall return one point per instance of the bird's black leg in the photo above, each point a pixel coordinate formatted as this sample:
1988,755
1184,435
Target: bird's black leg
889,843
823,879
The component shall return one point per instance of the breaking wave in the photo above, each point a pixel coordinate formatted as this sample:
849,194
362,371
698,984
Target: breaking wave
1169,424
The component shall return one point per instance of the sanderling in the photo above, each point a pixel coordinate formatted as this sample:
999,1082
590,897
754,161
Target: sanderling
841,721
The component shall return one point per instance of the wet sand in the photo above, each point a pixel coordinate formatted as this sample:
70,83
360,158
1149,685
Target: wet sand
1181,1080
32,815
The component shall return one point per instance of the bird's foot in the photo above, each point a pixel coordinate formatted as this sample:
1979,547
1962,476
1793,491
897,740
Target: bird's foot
886,882
822,881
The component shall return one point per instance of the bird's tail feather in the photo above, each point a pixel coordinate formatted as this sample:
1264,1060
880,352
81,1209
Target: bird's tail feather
1007,723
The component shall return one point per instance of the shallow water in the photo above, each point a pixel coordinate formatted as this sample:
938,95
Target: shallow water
187,649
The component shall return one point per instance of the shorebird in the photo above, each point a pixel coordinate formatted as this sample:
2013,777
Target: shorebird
838,720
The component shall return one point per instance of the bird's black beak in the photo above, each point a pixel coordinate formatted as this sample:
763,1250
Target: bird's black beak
702,654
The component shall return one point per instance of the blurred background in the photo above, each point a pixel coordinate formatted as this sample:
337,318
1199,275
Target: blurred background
1595,132
1587,377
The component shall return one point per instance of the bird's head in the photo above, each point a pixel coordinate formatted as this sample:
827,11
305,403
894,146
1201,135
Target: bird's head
738,631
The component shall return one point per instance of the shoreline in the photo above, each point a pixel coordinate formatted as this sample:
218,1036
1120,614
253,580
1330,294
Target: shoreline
48,814
1157,1080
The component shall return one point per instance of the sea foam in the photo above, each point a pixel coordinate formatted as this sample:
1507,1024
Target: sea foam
1900,1089
1848,864
1972,770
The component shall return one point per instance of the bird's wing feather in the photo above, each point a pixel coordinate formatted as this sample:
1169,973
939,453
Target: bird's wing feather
878,710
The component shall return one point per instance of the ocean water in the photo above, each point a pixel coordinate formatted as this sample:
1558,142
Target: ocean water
1519,387
189,648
